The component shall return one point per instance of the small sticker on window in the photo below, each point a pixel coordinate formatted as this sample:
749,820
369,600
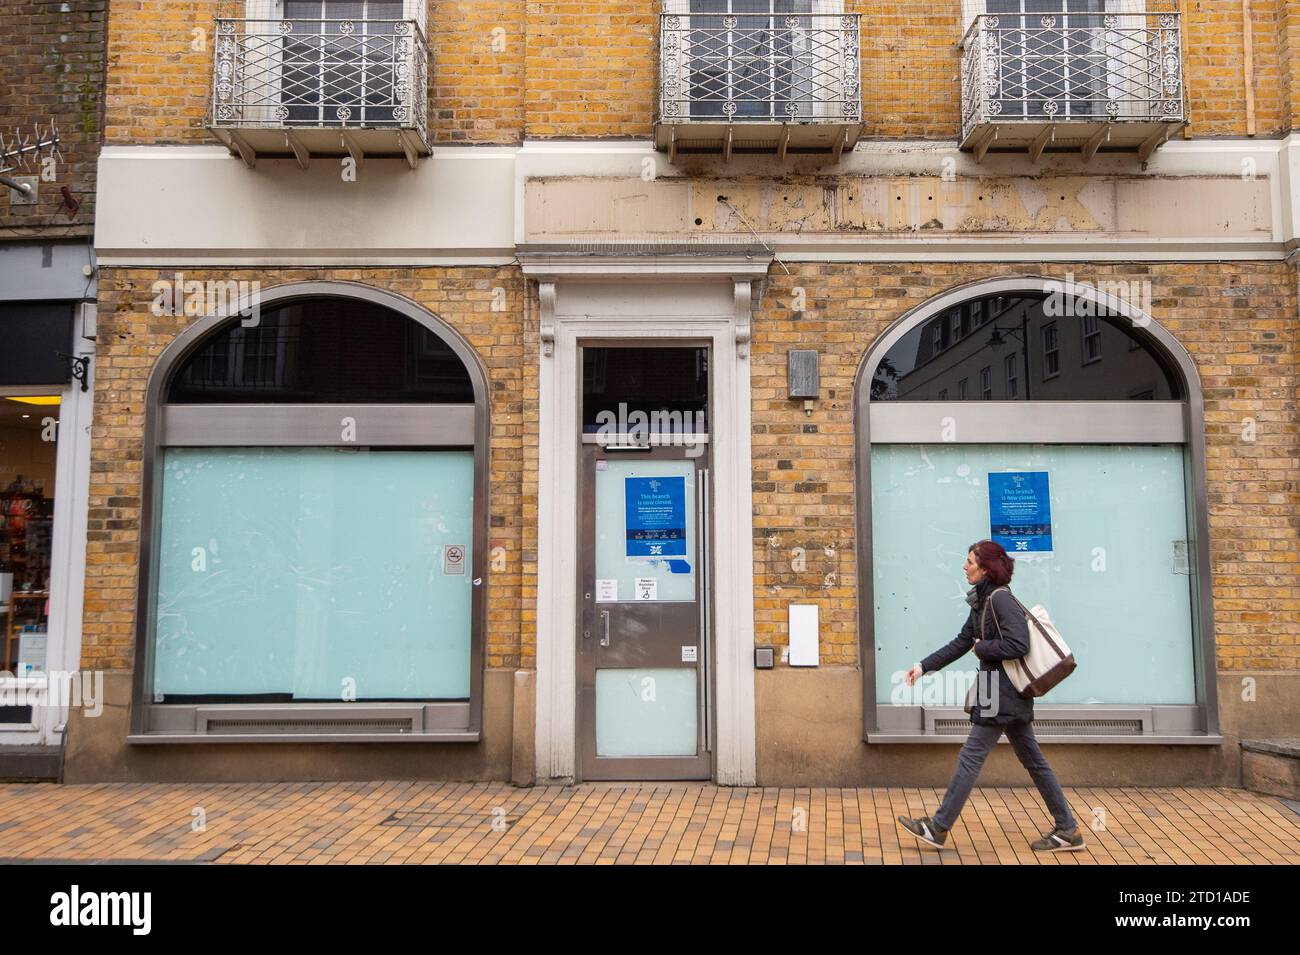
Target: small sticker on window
453,559
688,654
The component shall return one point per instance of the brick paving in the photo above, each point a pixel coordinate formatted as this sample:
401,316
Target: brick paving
396,822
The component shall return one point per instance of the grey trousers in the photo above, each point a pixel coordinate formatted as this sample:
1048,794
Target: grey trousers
971,760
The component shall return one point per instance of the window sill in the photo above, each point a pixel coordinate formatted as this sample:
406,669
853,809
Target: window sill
461,736
1099,739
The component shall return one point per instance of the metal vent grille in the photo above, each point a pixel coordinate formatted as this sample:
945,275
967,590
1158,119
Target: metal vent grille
959,727
309,726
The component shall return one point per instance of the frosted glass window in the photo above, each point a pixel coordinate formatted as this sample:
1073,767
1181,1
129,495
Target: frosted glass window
297,574
645,529
646,712
1116,582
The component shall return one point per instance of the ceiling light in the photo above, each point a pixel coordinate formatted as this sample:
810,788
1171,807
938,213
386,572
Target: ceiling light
35,399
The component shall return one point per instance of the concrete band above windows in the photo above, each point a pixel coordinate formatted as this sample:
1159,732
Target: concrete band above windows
1194,201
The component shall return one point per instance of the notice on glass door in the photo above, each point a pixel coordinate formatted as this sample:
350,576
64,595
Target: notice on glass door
1020,512
656,517
606,591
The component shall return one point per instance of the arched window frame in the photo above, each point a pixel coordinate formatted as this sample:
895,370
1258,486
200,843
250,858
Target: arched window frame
307,425
1179,421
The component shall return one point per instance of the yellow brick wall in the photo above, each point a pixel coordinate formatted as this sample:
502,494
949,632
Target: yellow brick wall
158,84
1214,67
589,68
1245,349
476,80
130,339
160,70
592,68
1288,32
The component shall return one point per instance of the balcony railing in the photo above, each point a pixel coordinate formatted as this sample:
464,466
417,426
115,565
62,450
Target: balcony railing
1072,80
759,82
321,87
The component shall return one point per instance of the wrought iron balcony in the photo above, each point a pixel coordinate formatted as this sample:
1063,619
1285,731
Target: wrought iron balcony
764,82
306,88
1073,80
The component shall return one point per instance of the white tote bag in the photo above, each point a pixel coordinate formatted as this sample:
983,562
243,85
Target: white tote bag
1049,660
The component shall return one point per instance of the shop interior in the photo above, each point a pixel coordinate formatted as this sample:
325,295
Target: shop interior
28,449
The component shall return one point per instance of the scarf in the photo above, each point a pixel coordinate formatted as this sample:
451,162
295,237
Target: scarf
978,594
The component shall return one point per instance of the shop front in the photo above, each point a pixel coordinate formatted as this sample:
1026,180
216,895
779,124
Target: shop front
46,352
312,559
1066,425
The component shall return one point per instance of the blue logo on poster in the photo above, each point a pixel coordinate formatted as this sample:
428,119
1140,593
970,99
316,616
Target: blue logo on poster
1020,513
656,516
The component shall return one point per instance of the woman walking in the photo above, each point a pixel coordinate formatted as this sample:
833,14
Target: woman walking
997,629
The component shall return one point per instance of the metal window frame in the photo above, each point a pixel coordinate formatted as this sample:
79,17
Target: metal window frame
1090,422
299,425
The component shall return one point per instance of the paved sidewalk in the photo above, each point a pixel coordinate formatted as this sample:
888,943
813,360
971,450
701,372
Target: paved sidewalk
412,822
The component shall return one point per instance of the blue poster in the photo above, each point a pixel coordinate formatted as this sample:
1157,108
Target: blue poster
1020,513
656,516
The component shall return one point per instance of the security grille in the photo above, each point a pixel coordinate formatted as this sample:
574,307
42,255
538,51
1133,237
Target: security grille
1063,60
314,68
759,61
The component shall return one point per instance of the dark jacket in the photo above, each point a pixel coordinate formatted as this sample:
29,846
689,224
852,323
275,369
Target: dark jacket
991,650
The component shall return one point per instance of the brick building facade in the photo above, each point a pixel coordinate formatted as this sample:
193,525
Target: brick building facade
534,221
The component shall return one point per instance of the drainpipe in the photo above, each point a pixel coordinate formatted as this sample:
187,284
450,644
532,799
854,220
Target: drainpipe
1248,65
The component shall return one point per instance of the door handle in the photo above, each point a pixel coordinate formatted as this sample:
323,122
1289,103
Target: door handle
604,639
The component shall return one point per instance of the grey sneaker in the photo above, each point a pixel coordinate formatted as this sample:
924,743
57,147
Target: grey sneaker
925,829
1059,840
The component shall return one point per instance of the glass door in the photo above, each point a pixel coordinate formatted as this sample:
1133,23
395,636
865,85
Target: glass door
643,650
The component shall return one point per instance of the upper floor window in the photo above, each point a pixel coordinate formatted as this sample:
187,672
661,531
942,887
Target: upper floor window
1051,354
346,60
1091,326
314,67
1061,64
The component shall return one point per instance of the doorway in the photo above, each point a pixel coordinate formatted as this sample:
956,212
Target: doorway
644,653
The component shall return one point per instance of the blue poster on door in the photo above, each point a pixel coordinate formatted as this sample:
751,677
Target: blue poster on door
656,516
1020,513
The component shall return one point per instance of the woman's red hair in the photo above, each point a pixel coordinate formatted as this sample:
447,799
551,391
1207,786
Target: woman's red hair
994,561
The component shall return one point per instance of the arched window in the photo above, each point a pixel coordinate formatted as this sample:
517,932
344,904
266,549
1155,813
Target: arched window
1062,422
314,521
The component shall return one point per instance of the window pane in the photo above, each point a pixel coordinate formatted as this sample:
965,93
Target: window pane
285,573
670,386
645,527
917,368
1116,583
633,721
323,351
